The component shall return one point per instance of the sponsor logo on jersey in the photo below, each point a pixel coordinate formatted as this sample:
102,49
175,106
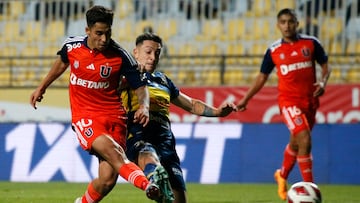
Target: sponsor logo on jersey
285,69
90,67
70,47
74,80
294,53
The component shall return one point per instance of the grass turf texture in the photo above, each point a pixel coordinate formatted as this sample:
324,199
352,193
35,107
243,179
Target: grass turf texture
61,192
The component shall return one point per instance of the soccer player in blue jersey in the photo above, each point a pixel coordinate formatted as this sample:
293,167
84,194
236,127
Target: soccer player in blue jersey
153,147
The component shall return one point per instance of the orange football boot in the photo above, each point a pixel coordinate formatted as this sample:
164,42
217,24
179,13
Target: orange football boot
282,185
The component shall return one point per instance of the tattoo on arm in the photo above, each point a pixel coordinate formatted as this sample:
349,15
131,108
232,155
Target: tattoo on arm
202,109
208,112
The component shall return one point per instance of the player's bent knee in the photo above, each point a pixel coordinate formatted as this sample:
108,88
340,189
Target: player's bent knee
146,150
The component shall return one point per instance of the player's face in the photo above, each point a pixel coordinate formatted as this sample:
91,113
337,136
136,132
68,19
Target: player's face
148,54
98,36
287,25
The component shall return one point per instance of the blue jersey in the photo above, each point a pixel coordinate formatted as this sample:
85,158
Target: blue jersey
161,89
158,131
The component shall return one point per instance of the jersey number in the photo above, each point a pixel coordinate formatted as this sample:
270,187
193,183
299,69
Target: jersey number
293,111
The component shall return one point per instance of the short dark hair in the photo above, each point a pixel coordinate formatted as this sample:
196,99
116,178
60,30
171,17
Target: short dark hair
99,14
287,11
148,36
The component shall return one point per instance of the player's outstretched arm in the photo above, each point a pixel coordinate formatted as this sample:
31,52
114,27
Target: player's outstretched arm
200,108
56,70
321,84
255,88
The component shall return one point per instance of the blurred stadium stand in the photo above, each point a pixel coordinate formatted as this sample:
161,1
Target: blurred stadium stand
207,42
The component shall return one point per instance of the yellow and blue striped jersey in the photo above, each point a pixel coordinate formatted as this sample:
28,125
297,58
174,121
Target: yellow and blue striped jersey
161,91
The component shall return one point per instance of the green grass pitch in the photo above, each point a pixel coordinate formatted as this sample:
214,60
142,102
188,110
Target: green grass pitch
62,192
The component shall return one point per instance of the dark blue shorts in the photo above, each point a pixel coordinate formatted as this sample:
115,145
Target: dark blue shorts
158,133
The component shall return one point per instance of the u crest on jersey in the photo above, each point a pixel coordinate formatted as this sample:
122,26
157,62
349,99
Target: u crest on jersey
105,71
306,52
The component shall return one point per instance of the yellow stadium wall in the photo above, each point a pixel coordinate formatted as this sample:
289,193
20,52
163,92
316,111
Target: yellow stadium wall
53,97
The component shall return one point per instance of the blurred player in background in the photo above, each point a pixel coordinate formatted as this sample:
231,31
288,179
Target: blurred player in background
98,117
294,57
154,145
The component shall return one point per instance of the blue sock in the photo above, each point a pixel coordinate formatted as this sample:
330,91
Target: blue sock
149,170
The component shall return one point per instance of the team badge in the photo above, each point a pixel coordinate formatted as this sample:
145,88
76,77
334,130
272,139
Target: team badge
298,121
305,51
105,71
88,132
163,80
76,64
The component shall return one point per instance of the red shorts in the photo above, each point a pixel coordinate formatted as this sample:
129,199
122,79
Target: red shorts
88,129
298,119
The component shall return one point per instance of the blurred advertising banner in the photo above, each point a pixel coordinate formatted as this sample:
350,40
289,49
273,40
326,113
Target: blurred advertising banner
340,104
209,153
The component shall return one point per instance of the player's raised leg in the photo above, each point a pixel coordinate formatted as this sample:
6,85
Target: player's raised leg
154,171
